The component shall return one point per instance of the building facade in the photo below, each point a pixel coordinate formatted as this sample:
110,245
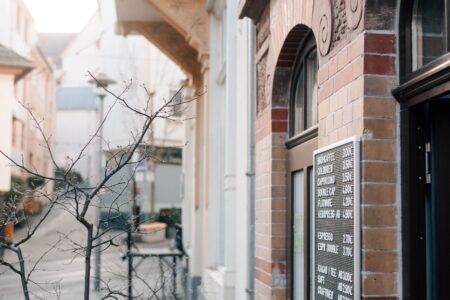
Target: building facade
35,90
146,77
211,45
333,79
76,117
332,70
12,68
133,64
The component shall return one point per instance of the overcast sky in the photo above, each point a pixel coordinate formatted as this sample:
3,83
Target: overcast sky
61,15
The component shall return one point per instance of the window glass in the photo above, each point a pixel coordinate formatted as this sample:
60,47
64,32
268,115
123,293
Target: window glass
304,107
428,31
311,226
299,238
299,104
177,102
311,88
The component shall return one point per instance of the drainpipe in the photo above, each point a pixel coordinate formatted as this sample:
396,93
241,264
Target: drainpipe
251,111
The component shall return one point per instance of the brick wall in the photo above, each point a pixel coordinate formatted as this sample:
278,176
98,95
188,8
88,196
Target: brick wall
380,206
278,38
355,81
341,94
271,204
355,99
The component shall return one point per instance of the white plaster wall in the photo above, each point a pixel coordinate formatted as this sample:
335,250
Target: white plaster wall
230,144
82,54
18,42
188,191
213,280
192,216
73,130
9,36
215,220
226,272
6,104
243,97
167,186
34,84
6,17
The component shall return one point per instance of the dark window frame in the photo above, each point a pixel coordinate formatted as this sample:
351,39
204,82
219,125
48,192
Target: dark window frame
300,158
406,46
307,46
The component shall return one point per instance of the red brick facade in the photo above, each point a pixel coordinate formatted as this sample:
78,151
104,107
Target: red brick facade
357,70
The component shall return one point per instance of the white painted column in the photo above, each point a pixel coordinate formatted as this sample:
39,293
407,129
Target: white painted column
216,91
230,146
244,91
6,107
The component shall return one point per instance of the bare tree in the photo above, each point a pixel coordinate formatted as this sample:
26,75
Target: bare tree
78,199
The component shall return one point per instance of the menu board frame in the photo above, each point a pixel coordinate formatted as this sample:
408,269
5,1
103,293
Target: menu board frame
356,142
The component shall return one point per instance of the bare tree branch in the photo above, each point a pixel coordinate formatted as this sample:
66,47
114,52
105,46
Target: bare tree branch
77,199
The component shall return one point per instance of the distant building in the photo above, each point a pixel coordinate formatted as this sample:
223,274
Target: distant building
36,90
76,119
12,68
53,44
132,63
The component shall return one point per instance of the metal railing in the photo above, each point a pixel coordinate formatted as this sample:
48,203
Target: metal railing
165,275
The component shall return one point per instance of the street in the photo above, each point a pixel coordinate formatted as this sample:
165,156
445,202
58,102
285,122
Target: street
59,274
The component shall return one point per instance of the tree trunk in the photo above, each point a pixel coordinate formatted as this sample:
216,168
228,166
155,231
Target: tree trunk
87,264
23,279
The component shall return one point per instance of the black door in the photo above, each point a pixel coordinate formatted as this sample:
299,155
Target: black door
430,200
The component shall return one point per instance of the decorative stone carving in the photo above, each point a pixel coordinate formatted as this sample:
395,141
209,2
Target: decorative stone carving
334,20
324,25
354,10
261,81
340,22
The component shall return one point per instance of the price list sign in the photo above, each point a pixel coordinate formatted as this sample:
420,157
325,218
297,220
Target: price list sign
336,221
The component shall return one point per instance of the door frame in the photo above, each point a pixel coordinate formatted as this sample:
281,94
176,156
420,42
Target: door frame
419,87
299,158
426,124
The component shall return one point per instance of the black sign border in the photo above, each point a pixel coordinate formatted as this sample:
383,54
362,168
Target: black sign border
356,140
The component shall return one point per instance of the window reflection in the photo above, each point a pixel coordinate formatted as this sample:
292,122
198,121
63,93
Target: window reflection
305,94
298,235
311,88
428,32
299,103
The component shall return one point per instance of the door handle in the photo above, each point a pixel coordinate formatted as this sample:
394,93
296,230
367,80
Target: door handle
427,163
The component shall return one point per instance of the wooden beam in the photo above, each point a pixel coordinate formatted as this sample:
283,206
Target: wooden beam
5,70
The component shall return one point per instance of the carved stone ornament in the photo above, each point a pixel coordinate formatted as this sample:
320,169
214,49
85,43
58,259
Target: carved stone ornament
324,25
354,10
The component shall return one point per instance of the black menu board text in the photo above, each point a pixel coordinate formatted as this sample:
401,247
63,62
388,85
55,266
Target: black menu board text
336,222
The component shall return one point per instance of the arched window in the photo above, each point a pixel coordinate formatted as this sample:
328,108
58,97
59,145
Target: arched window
425,32
303,104
302,142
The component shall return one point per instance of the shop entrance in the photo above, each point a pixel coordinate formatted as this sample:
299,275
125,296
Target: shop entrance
428,220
